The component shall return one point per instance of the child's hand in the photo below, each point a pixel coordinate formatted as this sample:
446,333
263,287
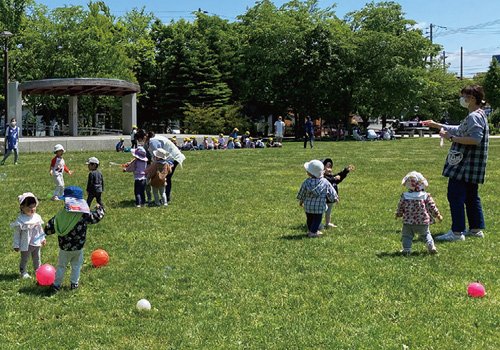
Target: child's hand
439,218
70,172
44,242
16,250
337,178
301,204
351,167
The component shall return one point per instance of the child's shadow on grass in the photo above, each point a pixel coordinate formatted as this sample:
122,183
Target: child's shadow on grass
399,254
296,237
36,290
123,204
8,277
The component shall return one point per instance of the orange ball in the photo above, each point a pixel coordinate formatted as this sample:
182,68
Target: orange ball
99,258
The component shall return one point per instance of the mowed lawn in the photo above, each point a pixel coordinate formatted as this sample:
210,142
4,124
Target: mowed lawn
227,264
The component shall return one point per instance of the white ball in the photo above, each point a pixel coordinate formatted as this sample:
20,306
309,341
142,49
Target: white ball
143,304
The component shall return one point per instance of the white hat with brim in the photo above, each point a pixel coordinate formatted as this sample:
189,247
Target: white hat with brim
315,168
160,153
27,195
58,147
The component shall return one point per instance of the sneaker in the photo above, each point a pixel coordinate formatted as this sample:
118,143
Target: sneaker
450,236
55,198
25,276
138,206
74,286
431,247
314,235
15,163
55,288
330,225
478,234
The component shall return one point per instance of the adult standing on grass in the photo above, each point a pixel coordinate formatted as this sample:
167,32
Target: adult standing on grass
308,132
279,129
465,165
153,142
11,141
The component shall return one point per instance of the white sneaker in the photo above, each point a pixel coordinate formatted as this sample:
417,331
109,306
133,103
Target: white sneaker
25,276
478,234
450,236
314,235
330,225
431,247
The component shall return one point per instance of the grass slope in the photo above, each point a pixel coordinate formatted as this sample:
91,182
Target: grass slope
227,265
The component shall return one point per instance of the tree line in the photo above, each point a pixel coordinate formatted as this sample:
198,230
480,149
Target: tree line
213,74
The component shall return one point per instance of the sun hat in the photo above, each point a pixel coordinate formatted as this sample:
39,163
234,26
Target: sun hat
93,160
73,200
415,181
139,153
58,147
25,195
160,153
134,126
315,168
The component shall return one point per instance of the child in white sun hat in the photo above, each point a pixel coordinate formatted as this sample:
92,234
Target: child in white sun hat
57,169
418,210
28,233
313,195
157,173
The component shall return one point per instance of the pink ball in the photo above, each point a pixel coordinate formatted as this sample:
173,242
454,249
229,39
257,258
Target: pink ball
46,275
476,290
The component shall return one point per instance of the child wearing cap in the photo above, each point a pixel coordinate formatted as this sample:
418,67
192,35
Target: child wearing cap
334,179
70,225
313,195
157,173
28,233
138,167
133,139
95,182
222,142
230,143
57,169
120,146
418,210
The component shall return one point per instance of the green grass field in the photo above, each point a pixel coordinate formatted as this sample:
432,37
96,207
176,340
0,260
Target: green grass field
227,264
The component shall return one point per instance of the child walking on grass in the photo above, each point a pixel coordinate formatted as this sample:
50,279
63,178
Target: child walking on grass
28,233
334,179
138,167
70,224
418,210
95,182
57,169
156,174
313,195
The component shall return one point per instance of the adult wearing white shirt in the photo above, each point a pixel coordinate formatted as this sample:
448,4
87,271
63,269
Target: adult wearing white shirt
279,129
152,142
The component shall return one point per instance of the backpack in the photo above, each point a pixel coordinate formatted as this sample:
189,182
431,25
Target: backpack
160,177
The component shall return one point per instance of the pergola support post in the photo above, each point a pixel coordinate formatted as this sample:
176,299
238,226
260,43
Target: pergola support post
73,115
129,112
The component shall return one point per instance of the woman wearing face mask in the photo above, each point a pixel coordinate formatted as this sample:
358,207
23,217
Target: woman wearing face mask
11,141
465,165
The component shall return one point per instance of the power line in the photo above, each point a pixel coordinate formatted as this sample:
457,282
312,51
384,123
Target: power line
464,30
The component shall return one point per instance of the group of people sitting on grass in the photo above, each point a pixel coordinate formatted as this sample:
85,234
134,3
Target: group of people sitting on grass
222,142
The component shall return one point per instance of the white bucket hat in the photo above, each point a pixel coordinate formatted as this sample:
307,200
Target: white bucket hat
160,153
58,147
415,181
315,168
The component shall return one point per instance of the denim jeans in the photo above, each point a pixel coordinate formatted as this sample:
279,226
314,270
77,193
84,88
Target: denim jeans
75,258
313,222
168,184
464,194
139,189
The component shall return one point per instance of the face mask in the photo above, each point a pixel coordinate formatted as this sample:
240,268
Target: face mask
463,103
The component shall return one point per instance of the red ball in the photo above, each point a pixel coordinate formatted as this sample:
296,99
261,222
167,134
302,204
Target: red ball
46,275
99,258
476,290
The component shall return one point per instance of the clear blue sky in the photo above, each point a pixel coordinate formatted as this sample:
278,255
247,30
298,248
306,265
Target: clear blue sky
473,25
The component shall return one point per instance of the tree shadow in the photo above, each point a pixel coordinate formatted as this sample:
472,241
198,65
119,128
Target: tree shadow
8,277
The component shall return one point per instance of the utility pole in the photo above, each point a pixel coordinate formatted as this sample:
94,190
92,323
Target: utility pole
461,62
444,61
430,36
